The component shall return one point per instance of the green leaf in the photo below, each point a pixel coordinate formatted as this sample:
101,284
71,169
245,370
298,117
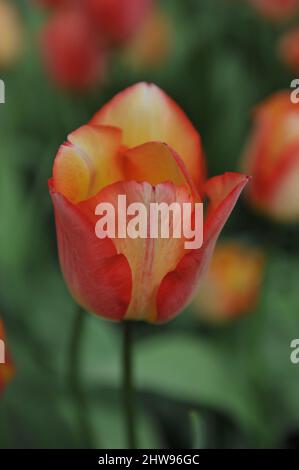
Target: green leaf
196,370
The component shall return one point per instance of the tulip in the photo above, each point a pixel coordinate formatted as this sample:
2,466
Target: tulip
72,55
141,145
117,20
151,46
10,34
232,284
289,49
272,158
276,9
6,368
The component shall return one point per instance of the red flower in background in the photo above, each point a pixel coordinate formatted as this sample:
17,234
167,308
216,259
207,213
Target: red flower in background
80,34
6,369
272,158
289,49
141,145
72,54
117,20
276,9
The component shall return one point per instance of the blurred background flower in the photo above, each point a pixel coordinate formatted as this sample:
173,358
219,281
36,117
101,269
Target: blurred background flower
72,54
11,31
289,49
232,284
117,21
276,9
272,158
152,45
79,35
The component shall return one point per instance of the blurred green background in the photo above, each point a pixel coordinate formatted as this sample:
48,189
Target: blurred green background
238,378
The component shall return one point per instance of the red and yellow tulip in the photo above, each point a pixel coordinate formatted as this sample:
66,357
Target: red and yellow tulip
6,369
142,145
232,284
272,158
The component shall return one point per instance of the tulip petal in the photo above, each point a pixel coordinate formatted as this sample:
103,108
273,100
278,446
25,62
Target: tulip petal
178,286
156,162
87,162
98,278
150,259
145,113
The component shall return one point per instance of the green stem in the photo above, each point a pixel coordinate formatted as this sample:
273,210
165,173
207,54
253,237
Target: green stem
74,378
195,429
128,388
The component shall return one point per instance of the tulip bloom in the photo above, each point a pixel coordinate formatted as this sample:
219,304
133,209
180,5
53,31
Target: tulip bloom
272,158
10,34
232,284
276,9
143,146
71,52
289,49
6,369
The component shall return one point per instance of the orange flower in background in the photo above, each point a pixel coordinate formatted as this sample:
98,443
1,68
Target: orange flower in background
143,146
11,34
276,9
117,20
151,46
72,55
6,368
289,49
233,282
272,158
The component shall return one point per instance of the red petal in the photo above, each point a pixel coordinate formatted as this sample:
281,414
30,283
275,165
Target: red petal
98,278
178,286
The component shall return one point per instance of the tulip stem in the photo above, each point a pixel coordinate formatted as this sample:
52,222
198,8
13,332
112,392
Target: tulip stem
74,378
128,387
